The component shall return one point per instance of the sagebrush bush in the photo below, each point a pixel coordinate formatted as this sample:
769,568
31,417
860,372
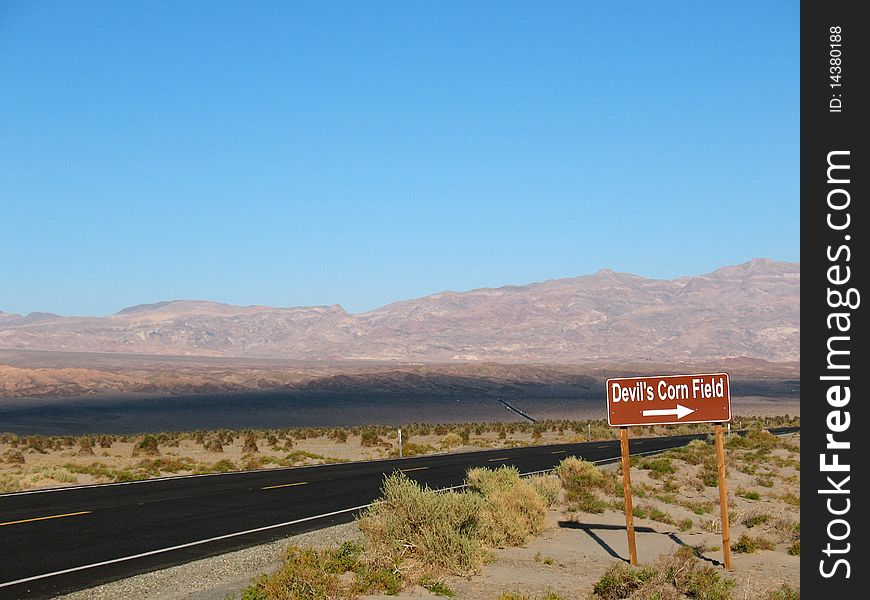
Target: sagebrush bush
12,456
427,533
584,483
747,544
451,440
673,576
370,437
148,446
512,515
249,446
426,529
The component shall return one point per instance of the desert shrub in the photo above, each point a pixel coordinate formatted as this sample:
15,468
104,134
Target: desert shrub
709,474
412,449
583,483
693,453
170,465
148,446
252,462
370,437
670,485
756,518
37,443
747,544
790,498
338,435
465,435
548,487
511,515
303,576
451,440
658,467
60,474
86,446
426,529
764,481
213,444
439,588
647,511
784,592
674,576
795,548
12,456
486,481
10,482
748,494
224,465
621,581
105,441
7,437
380,579
685,524
249,446
699,508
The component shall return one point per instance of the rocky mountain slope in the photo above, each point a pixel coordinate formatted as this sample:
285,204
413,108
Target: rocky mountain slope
748,310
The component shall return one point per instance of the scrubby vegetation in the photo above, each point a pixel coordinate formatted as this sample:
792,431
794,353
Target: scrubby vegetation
748,544
673,576
275,446
586,486
415,535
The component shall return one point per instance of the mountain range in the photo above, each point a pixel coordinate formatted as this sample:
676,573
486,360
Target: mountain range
749,310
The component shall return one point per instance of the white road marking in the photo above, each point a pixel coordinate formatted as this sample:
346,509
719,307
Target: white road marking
178,547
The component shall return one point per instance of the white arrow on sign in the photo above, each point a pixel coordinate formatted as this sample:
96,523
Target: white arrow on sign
681,411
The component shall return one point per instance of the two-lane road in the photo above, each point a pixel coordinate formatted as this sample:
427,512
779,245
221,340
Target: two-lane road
55,541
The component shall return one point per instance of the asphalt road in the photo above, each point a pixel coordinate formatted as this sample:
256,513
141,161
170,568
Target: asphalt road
57,541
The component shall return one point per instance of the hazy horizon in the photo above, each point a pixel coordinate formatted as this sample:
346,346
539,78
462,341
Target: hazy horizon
344,307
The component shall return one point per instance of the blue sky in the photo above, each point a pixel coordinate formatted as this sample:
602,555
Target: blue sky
302,153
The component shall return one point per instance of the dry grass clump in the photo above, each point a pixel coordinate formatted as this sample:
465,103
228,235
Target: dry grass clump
674,576
10,482
584,483
12,456
451,440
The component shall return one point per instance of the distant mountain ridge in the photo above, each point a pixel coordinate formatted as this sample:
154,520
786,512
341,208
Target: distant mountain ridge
747,310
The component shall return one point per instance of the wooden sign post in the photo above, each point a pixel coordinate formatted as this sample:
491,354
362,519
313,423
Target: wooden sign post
626,490
723,496
670,400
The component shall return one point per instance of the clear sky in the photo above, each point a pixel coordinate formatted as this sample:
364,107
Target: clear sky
356,153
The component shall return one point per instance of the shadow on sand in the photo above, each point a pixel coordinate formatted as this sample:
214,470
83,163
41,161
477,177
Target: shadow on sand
589,529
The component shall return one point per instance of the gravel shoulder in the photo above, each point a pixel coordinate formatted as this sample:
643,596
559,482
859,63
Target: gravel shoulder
216,577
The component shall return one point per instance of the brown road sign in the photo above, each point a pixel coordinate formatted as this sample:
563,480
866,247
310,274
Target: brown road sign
668,400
